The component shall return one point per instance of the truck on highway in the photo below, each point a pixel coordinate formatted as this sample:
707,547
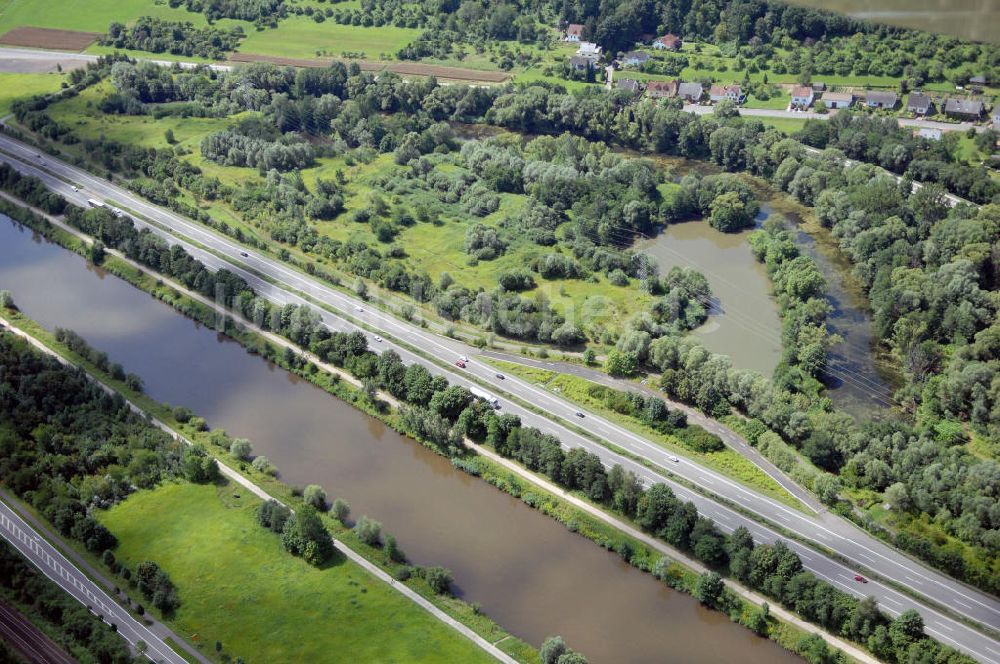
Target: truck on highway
93,202
485,396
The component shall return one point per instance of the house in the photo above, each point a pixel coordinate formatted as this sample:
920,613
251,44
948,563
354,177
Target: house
580,63
819,87
880,99
629,84
965,109
929,133
733,93
574,32
662,89
978,80
919,104
802,95
635,58
589,50
669,42
837,99
690,92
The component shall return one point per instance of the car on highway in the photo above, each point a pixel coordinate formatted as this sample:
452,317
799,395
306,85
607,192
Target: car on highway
460,364
244,254
358,309
76,188
378,338
860,579
580,414
501,376
464,358
674,459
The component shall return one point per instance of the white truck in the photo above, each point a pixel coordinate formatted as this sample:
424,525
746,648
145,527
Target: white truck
93,202
485,396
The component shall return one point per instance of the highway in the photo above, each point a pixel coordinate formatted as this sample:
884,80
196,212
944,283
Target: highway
830,531
60,570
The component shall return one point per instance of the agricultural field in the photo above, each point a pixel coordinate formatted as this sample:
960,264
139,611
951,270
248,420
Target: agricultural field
239,586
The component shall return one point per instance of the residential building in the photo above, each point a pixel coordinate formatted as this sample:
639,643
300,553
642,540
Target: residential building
589,50
662,89
690,92
574,32
881,99
635,58
919,104
733,93
978,80
669,42
837,99
819,87
581,63
964,109
930,133
629,84
802,95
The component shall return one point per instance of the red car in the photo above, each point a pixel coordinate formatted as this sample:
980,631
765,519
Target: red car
460,364
860,579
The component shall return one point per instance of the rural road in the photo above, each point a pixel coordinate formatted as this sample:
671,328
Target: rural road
829,531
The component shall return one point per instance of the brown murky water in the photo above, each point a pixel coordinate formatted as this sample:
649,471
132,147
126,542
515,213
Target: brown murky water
978,20
743,320
526,570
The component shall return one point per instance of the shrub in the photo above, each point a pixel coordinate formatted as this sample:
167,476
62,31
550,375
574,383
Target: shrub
315,495
368,531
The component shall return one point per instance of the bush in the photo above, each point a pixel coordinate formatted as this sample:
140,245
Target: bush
368,531
340,510
439,579
240,449
699,439
315,495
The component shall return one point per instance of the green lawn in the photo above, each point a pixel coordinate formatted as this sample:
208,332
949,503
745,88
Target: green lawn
237,585
786,125
17,86
91,15
302,37
728,462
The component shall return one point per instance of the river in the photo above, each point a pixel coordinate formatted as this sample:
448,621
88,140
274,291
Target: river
526,570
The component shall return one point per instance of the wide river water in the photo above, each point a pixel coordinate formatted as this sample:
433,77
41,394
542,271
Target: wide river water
526,570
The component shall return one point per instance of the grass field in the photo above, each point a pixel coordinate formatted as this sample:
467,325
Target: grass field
17,86
727,461
237,585
786,125
93,15
301,37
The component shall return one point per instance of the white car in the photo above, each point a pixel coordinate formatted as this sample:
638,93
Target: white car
76,188
358,309
378,338
674,459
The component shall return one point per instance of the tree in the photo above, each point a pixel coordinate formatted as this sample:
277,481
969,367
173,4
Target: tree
439,579
709,588
392,550
6,299
368,531
315,495
898,497
340,510
552,649
571,657
729,213
826,487
199,467
621,363
240,449
169,136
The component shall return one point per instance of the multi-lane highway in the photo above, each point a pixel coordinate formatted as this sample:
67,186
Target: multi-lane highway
345,312
60,570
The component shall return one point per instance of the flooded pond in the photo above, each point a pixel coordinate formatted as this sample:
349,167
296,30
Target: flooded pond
525,570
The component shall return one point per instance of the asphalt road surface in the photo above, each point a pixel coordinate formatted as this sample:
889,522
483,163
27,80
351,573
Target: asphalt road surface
60,570
866,553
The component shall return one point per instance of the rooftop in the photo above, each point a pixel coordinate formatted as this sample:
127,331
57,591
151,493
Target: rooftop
964,106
